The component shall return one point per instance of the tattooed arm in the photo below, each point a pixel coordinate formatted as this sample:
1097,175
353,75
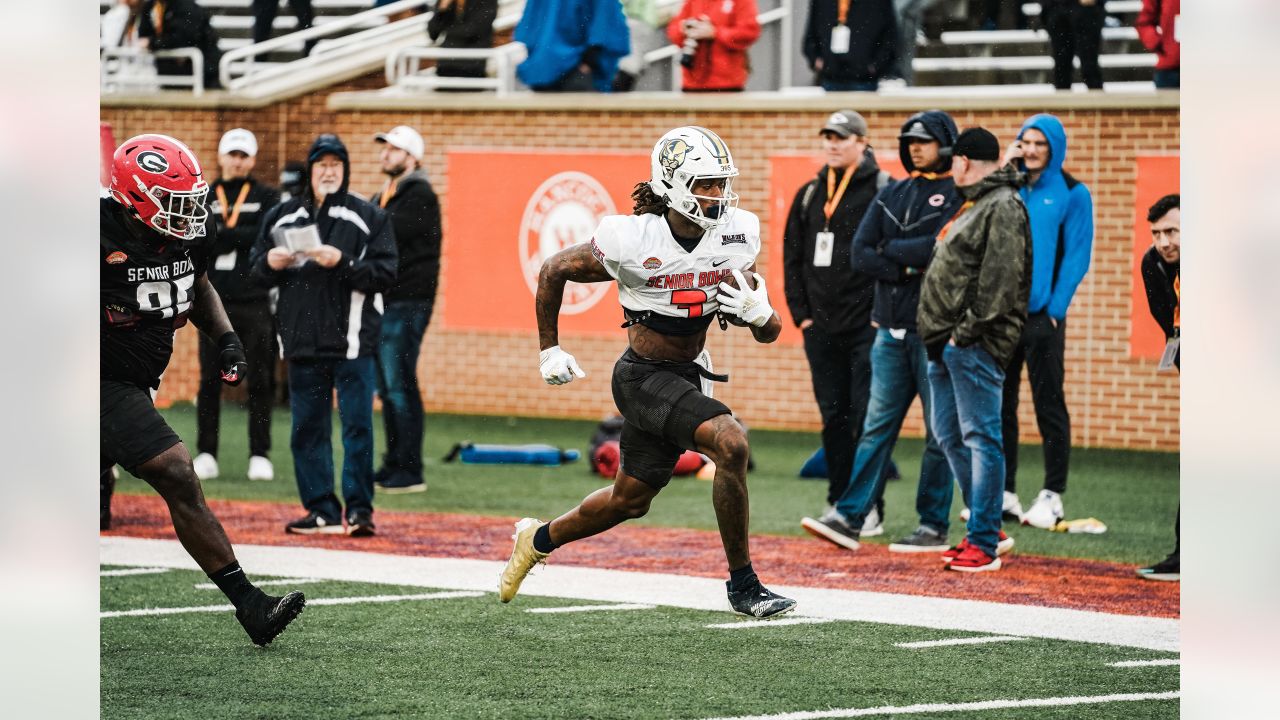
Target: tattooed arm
575,263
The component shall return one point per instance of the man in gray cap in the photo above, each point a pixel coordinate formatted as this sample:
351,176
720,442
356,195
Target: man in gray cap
828,300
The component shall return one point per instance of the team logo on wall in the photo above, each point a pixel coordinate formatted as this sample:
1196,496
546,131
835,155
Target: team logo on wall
563,211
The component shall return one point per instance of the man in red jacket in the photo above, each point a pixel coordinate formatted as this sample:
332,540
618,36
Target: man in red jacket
1158,29
715,36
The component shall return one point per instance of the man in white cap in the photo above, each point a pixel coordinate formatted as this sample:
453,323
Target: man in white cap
238,205
415,215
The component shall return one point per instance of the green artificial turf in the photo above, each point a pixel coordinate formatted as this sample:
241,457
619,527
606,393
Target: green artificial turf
1134,493
477,658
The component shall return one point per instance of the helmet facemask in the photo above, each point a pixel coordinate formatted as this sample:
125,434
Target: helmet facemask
718,210
181,214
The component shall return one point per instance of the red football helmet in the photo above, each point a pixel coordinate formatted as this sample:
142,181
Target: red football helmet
158,178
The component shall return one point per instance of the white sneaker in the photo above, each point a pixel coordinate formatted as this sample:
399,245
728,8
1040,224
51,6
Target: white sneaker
260,468
1045,512
206,466
1012,508
872,525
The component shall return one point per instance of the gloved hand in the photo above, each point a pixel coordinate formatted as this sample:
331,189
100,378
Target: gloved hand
557,366
231,359
750,306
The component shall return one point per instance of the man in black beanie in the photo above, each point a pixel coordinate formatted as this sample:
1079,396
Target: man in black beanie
331,254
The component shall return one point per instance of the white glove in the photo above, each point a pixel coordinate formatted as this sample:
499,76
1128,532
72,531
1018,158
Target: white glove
557,366
751,306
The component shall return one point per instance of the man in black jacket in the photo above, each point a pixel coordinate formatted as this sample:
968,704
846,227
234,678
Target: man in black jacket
829,301
851,45
331,254
239,203
415,216
172,24
893,245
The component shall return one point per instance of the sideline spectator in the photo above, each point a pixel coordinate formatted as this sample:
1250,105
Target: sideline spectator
829,301
1164,297
715,36
972,305
264,17
894,245
415,216
239,204
1158,29
910,13
647,25
574,45
1075,30
1061,211
465,24
851,45
173,24
331,254
120,25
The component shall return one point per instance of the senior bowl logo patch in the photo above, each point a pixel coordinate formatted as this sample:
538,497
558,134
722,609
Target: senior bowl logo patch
937,200
652,263
564,211
116,258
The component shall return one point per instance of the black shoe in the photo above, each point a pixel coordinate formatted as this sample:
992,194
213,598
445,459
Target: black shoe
401,481
360,524
264,617
834,528
1167,570
924,539
758,601
314,524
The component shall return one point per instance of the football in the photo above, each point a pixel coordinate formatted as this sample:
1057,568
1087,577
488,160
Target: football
732,281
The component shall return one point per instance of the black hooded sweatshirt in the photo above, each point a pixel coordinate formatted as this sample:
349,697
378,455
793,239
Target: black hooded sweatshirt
330,313
895,241
836,298
415,215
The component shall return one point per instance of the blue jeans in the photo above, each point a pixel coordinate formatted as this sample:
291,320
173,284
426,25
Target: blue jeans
898,372
311,385
404,322
850,86
967,394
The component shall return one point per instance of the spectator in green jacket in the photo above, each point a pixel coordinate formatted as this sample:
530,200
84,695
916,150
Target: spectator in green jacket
973,303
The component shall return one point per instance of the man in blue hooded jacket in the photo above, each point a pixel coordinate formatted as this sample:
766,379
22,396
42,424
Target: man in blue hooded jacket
894,244
1061,211
574,45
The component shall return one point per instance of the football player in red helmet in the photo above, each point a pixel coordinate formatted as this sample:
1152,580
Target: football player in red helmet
150,285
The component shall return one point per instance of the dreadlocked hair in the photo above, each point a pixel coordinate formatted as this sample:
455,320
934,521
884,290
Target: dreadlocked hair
647,201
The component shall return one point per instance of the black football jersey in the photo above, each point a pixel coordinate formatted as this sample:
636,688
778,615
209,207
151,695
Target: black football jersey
147,288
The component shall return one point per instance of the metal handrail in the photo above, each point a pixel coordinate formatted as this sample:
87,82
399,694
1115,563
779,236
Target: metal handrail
397,66
505,58
195,80
245,55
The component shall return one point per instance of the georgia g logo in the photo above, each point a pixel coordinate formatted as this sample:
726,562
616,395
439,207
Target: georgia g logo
673,154
152,161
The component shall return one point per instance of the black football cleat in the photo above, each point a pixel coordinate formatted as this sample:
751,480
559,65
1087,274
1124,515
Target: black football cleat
758,601
265,617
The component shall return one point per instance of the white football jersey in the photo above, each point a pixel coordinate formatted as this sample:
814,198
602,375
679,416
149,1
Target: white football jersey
655,274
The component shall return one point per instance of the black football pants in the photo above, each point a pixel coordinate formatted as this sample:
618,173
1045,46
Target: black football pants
1041,348
256,326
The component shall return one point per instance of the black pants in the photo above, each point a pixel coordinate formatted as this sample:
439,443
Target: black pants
1075,30
841,370
1041,349
256,326
264,14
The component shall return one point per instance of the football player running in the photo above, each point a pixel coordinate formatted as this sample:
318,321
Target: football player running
673,259
154,254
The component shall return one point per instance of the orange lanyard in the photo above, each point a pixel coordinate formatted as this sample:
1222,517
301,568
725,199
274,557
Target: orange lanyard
157,17
929,175
942,234
1177,309
844,10
386,196
834,195
235,212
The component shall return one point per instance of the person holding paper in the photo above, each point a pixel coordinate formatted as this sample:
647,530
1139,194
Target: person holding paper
239,203
331,254
851,45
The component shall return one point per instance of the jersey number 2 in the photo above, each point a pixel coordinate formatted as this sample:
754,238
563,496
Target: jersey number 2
159,297
690,300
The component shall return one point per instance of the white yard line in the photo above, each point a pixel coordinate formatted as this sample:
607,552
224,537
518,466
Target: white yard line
958,641
591,608
613,586
1146,663
316,601
263,583
748,624
960,707
132,571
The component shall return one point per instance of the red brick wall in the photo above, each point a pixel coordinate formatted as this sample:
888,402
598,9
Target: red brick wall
1115,401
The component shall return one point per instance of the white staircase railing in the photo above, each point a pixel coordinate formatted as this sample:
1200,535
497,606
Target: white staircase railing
129,70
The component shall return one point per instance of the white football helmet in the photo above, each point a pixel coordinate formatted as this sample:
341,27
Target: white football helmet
682,157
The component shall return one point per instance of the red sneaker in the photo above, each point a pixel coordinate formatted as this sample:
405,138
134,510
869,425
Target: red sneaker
1004,545
972,559
950,554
